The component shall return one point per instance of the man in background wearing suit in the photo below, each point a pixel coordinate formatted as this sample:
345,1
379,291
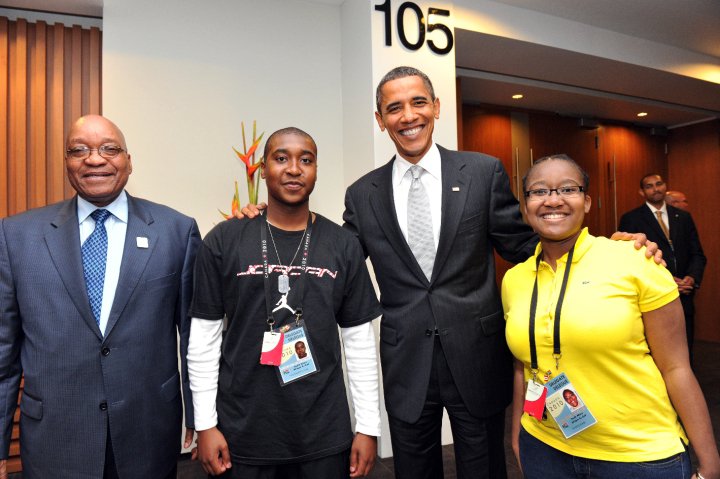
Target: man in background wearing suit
430,220
674,231
93,293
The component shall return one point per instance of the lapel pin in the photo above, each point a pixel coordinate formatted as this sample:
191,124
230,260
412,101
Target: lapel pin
142,242
456,188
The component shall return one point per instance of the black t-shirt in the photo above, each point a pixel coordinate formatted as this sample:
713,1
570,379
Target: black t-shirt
264,422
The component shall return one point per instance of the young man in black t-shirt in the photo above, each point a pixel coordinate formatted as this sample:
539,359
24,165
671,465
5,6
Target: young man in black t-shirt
285,282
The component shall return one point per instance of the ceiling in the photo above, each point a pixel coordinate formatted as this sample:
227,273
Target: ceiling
561,81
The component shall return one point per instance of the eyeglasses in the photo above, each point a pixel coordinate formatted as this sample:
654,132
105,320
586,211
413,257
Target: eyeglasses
563,191
83,152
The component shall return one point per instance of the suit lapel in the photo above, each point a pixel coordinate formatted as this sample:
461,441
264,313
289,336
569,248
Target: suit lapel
383,205
652,222
63,242
134,258
674,222
455,187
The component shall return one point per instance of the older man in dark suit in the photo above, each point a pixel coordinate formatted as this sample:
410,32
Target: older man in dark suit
430,220
93,293
674,231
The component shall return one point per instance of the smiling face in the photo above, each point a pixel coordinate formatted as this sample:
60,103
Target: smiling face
290,169
408,113
556,218
570,398
96,179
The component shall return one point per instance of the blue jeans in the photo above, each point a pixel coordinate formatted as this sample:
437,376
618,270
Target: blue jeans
540,461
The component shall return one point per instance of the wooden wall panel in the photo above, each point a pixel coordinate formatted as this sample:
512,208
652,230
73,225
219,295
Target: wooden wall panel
487,130
694,169
632,153
552,134
4,67
49,76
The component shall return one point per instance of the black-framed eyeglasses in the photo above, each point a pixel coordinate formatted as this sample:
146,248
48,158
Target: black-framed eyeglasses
564,191
83,152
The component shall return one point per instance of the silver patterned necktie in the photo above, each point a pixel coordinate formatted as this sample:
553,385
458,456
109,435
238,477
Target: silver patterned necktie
94,255
419,223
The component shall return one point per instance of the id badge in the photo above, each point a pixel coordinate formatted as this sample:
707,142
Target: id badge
297,359
566,407
272,348
535,400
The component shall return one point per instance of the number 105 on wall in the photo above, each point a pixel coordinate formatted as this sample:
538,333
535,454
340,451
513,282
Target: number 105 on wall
440,37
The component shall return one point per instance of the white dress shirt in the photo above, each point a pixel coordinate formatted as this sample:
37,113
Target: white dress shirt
116,227
664,212
431,179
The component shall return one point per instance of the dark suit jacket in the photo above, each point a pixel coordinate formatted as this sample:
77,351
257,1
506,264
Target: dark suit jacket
685,257
461,299
76,380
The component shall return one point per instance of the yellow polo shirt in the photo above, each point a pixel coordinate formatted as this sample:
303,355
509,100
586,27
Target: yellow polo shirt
605,354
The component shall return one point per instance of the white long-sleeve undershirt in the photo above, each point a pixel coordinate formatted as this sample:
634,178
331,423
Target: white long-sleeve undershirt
203,359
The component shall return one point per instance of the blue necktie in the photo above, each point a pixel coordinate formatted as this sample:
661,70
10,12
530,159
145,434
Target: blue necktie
94,253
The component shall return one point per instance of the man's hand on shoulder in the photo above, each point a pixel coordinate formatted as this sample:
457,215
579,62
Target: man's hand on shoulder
3,469
213,452
362,455
651,251
250,210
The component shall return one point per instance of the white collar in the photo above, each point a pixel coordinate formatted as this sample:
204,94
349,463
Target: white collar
430,162
118,208
653,209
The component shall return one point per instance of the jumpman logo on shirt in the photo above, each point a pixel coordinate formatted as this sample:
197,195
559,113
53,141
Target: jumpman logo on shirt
283,304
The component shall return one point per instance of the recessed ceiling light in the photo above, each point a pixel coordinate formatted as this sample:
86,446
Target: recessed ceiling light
517,97
642,113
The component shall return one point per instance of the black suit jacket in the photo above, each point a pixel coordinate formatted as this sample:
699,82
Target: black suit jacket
479,214
685,257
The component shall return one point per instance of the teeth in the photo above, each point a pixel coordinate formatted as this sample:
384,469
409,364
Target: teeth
412,131
553,216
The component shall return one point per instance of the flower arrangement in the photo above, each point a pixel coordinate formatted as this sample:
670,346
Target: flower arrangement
247,156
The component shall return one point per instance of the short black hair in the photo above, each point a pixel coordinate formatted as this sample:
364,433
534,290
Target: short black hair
290,130
642,180
560,157
402,72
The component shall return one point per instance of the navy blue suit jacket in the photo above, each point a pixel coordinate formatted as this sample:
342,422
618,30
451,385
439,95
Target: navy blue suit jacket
77,381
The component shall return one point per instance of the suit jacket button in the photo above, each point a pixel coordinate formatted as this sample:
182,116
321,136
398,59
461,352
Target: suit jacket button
428,332
105,351
103,406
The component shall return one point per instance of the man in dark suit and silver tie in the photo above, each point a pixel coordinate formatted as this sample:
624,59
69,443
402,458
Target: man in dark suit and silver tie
430,220
674,231
93,294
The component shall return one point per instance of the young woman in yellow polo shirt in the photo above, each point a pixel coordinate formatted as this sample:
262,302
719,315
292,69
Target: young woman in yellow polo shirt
595,323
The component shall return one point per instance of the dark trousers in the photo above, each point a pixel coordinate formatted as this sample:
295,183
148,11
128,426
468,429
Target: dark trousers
336,466
111,468
479,442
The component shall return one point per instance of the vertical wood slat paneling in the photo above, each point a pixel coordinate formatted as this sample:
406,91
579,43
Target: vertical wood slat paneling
37,77
17,133
55,116
49,76
4,48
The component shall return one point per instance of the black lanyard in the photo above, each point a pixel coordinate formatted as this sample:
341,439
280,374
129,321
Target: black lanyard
533,309
300,283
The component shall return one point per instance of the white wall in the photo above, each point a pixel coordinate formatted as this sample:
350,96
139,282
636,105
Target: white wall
180,76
